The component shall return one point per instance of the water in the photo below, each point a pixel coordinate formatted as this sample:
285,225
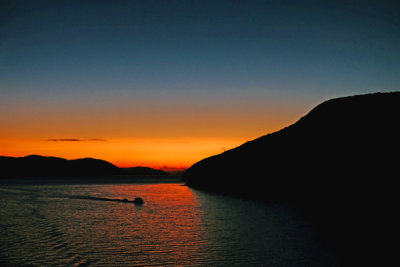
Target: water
51,225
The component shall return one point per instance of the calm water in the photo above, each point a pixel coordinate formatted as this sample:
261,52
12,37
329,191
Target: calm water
46,225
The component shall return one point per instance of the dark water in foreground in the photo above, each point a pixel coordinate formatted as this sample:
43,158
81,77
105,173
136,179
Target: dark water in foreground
47,225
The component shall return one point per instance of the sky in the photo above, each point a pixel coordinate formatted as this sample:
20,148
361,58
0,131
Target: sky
167,83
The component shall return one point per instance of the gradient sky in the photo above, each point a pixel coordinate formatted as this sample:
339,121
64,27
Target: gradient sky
167,83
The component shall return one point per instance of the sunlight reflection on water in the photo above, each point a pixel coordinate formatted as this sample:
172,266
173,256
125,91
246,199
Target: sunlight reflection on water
44,225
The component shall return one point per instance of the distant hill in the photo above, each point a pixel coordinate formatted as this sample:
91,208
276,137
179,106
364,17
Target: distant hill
339,165
143,171
35,165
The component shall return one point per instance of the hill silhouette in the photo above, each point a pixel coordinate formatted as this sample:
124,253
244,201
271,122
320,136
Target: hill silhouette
338,165
35,165
142,171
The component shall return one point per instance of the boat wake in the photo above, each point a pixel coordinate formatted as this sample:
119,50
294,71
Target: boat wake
137,200
34,193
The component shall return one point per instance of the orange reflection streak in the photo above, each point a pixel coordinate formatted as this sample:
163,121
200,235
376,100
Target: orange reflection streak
165,225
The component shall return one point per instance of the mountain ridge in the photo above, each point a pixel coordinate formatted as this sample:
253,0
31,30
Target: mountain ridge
36,165
341,126
337,165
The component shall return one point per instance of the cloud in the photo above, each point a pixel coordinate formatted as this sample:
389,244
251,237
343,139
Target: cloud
74,140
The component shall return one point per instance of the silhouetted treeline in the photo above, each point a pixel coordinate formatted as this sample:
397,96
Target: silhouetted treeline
35,165
339,165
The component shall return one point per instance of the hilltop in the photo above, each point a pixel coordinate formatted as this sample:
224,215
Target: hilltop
35,165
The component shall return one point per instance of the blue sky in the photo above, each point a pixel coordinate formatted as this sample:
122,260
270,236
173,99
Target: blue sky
205,47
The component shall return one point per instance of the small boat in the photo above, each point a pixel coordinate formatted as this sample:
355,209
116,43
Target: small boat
138,200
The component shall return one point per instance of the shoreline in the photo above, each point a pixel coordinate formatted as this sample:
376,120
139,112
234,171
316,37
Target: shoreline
109,179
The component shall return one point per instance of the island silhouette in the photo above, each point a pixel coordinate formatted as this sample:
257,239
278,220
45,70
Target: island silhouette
35,165
338,166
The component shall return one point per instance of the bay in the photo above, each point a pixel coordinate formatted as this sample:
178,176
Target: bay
72,225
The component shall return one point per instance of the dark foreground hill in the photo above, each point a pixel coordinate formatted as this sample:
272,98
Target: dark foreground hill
35,165
339,165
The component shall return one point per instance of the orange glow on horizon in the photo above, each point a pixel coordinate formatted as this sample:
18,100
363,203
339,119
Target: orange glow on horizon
132,133
167,154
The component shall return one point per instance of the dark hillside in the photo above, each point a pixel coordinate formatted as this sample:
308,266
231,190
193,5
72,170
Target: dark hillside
340,142
339,165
